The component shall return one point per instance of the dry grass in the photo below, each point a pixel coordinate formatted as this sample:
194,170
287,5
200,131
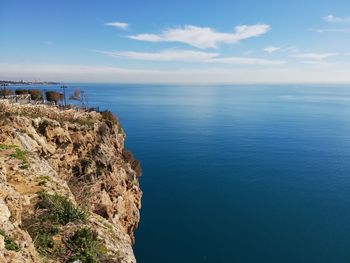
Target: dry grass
51,112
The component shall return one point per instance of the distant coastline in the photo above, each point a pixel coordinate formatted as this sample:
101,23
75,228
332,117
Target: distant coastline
22,82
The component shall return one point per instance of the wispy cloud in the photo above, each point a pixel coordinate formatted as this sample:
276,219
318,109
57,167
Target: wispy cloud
283,48
204,37
336,30
164,55
271,49
189,56
246,61
315,56
336,19
120,25
291,49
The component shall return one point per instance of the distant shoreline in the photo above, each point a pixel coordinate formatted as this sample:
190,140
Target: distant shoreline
12,82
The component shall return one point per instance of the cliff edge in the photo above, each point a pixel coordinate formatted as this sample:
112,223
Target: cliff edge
69,191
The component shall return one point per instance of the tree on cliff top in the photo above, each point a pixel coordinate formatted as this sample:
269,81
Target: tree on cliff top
21,91
5,91
36,94
53,96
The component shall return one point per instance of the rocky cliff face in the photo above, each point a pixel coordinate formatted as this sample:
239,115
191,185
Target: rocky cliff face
69,191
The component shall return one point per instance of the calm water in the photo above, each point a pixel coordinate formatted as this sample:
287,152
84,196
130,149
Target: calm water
238,174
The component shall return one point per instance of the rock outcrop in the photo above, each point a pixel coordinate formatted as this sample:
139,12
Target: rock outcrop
65,179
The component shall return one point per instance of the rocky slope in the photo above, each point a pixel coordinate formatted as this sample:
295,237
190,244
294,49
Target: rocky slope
69,191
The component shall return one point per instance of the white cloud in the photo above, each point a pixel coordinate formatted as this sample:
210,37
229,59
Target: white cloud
189,56
164,55
315,56
102,74
120,25
246,61
336,19
271,49
204,37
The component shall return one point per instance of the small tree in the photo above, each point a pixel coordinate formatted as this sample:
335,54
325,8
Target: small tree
5,92
53,96
36,94
21,91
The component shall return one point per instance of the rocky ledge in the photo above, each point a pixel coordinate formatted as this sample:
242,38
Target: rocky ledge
69,191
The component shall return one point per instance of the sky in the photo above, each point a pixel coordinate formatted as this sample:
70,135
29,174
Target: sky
176,42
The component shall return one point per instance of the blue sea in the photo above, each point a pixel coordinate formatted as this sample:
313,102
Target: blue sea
238,173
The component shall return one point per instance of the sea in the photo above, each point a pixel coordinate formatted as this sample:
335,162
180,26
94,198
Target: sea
240,173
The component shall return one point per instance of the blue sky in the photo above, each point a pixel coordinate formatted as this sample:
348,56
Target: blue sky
180,41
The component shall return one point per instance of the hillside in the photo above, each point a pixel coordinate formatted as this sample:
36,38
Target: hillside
69,191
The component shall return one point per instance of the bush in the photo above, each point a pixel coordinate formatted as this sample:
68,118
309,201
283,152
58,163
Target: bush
43,240
53,96
7,147
59,209
42,233
19,154
10,244
36,94
109,116
21,91
84,246
16,153
5,92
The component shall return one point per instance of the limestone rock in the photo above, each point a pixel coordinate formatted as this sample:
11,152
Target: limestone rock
75,154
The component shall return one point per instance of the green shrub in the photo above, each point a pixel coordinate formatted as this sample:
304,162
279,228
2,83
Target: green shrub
20,155
42,180
7,147
17,153
59,209
43,241
84,246
10,244
42,232
52,211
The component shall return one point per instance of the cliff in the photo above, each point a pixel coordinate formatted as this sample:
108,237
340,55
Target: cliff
69,191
